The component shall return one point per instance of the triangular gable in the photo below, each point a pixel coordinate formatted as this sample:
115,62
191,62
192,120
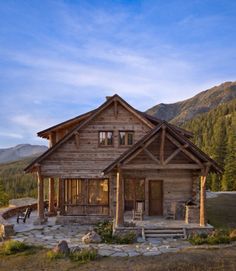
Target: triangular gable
183,145
114,99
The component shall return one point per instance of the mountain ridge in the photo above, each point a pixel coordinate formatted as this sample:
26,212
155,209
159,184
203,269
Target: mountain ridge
20,151
203,102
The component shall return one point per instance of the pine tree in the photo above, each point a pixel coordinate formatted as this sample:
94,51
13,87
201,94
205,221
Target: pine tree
3,195
229,177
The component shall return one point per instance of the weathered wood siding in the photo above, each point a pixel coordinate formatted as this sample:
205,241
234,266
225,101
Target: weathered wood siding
89,159
178,187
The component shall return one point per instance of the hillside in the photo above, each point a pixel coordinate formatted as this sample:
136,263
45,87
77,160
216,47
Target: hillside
180,112
20,151
14,183
215,133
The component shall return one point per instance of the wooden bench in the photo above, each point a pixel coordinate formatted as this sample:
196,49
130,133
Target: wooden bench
23,216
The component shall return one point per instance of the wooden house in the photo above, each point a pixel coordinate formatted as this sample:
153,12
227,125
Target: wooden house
104,162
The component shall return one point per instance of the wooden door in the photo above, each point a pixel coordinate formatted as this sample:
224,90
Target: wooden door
155,197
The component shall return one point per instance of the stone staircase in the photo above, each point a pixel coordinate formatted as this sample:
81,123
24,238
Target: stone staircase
163,233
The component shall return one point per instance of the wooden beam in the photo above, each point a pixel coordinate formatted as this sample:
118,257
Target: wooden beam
119,199
136,153
62,195
189,154
203,219
115,108
175,153
151,156
155,166
162,147
51,196
40,197
51,139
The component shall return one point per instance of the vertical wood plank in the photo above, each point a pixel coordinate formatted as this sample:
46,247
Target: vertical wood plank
162,146
119,199
40,197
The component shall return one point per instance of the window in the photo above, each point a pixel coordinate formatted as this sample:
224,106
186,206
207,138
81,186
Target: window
87,192
126,138
106,138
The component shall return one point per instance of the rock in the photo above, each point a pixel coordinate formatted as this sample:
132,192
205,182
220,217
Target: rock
105,252
75,249
91,237
119,254
62,247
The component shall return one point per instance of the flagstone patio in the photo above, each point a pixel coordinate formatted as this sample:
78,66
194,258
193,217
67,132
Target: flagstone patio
49,235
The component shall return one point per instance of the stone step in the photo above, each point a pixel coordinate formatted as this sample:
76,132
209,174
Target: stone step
163,233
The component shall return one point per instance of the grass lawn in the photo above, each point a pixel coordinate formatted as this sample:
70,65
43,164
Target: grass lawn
221,211
191,260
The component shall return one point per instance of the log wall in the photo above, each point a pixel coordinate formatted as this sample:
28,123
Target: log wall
88,159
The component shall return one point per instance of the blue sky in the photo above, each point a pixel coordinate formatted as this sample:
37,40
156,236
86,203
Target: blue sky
59,59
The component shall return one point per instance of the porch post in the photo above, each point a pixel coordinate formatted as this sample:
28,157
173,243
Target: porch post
119,199
51,196
40,206
62,196
203,218
202,201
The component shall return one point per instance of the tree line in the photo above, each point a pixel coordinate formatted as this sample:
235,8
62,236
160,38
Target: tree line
215,133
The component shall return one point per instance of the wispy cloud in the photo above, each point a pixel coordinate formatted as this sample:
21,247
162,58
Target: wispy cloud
63,62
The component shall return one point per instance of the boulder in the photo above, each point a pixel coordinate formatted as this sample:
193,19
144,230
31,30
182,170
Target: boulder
91,237
62,248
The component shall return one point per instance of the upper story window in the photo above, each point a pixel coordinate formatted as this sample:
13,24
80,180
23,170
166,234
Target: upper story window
105,138
126,138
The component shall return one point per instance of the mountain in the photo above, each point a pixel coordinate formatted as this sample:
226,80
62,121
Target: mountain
182,111
21,151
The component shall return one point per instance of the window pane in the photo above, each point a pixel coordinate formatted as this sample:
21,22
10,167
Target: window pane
122,138
98,192
109,138
130,139
102,138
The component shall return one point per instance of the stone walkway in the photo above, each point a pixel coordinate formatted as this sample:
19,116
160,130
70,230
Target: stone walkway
50,234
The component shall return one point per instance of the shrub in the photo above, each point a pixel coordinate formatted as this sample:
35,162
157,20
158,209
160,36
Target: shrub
53,255
127,238
215,238
84,255
105,230
12,247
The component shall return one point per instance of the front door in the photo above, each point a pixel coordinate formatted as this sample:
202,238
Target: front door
155,197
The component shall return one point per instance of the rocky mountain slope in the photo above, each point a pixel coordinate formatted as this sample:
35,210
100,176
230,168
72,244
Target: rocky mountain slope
182,111
21,151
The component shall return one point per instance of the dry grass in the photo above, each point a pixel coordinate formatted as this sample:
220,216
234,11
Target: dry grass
191,260
221,211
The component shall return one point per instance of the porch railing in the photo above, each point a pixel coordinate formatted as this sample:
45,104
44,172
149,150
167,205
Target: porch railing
85,209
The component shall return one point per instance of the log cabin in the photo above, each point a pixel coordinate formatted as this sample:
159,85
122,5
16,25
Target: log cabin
101,164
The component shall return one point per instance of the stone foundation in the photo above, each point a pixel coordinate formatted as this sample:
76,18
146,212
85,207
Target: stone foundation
199,230
121,231
192,214
82,220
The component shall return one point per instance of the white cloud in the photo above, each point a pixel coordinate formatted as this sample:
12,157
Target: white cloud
11,135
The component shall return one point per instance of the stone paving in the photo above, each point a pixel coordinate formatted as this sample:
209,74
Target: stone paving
50,234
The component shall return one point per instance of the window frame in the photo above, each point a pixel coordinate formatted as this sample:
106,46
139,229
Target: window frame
106,138
127,132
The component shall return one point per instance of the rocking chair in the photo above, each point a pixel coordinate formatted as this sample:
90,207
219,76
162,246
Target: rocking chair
138,213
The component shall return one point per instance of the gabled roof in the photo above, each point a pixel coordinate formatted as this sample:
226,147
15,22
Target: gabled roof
191,147
157,121
86,121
